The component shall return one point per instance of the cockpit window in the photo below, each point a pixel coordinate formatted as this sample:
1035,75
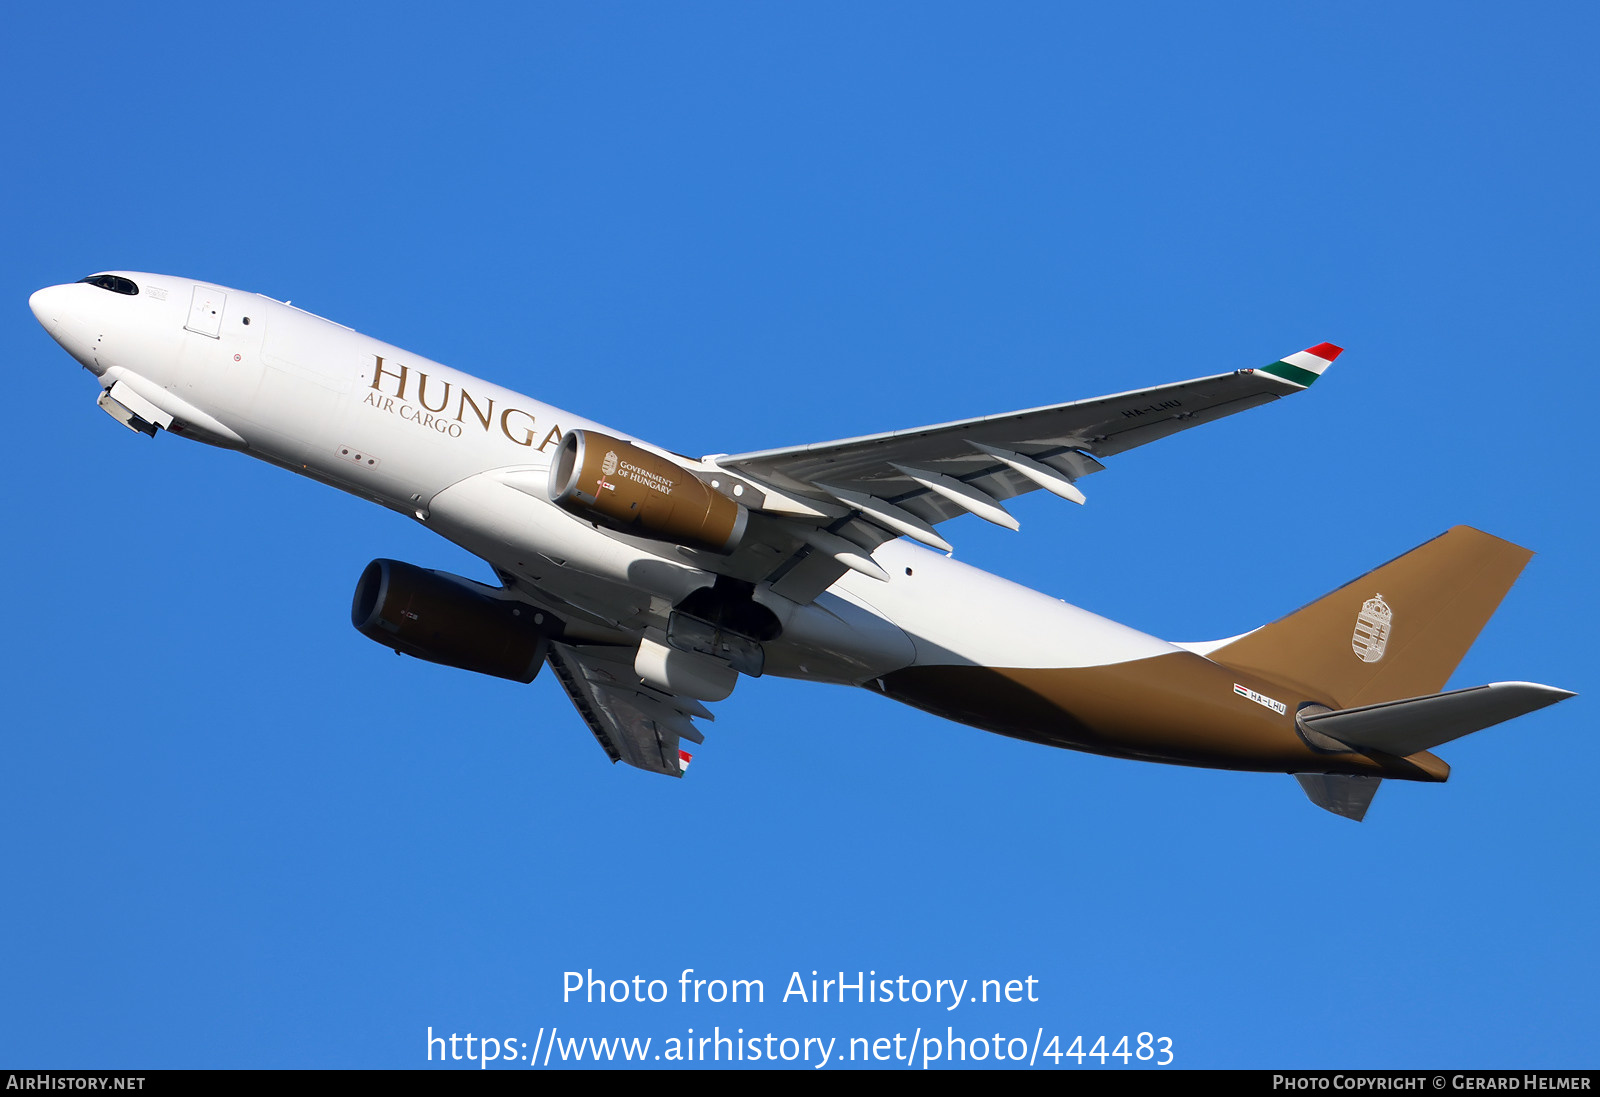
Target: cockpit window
113,283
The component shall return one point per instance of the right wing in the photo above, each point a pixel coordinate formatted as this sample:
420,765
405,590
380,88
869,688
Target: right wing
633,722
841,499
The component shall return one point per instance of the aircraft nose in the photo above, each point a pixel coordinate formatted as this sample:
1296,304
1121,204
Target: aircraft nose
67,314
46,306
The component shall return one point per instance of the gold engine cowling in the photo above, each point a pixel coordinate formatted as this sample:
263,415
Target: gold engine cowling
446,619
617,484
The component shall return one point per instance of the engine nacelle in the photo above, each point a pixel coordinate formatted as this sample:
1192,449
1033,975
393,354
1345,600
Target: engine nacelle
619,485
444,618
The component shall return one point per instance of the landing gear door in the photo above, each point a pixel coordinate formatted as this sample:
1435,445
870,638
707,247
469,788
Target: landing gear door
205,311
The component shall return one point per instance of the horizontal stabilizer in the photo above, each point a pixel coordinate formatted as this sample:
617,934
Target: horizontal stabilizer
1405,727
1347,796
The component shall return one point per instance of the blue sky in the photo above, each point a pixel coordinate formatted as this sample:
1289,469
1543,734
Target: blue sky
239,834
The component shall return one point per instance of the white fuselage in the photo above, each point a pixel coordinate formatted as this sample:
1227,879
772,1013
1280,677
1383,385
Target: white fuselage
470,460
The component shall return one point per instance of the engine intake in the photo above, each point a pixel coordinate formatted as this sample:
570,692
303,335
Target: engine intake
629,489
446,619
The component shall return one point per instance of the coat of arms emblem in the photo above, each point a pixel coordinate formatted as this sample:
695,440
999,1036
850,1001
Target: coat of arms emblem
1372,629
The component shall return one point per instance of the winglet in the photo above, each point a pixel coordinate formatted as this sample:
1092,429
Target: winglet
1304,367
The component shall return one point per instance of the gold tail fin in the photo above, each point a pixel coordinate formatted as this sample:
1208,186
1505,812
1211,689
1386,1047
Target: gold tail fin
1398,631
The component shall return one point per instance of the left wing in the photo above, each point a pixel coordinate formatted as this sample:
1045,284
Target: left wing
633,722
851,495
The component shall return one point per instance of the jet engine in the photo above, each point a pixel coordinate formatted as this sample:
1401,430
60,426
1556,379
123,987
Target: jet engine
446,619
629,489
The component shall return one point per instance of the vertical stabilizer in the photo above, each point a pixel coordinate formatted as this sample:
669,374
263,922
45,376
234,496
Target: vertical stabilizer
1398,631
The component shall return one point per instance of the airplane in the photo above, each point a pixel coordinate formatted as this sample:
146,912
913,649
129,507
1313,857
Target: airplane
651,582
